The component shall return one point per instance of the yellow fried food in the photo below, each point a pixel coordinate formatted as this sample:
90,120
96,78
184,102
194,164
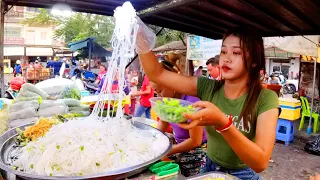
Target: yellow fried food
39,129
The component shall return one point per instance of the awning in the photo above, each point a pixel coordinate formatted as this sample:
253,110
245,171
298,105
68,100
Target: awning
295,44
13,51
31,51
274,52
97,50
212,18
104,7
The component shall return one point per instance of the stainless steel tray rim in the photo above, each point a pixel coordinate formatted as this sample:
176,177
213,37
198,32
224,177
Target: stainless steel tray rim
120,172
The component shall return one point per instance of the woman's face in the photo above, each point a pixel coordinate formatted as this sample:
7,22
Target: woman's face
161,91
102,69
231,59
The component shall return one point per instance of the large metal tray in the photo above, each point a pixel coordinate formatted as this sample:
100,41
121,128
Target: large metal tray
8,139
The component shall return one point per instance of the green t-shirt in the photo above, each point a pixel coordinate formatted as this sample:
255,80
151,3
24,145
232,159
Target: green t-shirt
219,151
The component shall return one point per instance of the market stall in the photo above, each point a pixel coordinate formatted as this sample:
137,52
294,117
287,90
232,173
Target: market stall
265,20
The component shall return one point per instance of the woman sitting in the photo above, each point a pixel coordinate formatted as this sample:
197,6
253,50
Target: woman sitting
186,151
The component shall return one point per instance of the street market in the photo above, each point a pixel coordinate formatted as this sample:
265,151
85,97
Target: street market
234,96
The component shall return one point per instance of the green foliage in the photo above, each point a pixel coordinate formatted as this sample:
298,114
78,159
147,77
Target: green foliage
43,18
82,25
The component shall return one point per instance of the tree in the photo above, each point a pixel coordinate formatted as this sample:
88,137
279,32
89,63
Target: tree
82,25
42,18
167,35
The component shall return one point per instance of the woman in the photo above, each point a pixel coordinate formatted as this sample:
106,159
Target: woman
186,151
102,73
240,117
134,88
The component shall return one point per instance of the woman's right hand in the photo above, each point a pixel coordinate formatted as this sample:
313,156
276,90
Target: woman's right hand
146,38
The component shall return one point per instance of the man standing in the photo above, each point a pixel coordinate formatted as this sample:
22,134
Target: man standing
145,94
213,68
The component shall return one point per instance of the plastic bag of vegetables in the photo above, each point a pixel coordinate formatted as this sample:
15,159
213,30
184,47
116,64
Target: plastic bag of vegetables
56,86
30,90
23,113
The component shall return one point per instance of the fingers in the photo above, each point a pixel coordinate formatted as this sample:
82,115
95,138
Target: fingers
190,125
195,116
201,104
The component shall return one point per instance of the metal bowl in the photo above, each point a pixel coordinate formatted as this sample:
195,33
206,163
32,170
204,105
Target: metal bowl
8,140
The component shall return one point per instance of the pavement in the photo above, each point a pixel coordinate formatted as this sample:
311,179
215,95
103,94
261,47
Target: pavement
292,162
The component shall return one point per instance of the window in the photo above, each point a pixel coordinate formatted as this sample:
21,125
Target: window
43,35
12,32
30,37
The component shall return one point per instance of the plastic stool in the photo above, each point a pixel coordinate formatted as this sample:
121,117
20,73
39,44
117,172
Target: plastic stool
285,131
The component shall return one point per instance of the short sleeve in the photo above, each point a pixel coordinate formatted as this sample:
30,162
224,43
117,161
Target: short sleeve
205,88
146,81
268,100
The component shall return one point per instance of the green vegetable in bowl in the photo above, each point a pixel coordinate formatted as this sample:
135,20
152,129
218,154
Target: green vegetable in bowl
171,110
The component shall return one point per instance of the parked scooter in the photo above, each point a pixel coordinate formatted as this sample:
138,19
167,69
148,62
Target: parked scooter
89,83
14,87
287,89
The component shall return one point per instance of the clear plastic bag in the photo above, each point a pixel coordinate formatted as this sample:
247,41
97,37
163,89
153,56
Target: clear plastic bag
71,102
56,86
51,103
30,90
20,122
52,111
17,106
23,114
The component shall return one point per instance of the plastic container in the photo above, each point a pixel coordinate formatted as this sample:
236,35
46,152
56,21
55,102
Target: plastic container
290,108
84,93
172,113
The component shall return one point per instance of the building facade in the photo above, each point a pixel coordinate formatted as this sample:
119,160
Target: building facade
23,42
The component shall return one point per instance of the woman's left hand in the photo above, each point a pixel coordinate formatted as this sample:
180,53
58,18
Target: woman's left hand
208,115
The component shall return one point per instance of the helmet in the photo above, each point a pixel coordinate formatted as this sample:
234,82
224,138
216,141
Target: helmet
18,62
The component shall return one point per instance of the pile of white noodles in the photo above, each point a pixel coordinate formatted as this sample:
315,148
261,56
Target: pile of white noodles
97,144
79,148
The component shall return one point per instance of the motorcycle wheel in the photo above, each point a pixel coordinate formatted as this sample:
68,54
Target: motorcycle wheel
285,90
8,95
292,88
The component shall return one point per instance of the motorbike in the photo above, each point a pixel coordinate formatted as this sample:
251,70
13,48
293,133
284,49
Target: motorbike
88,82
287,89
14,86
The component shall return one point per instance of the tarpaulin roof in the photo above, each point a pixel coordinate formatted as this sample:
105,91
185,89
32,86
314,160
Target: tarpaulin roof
97,50
104,7
211,19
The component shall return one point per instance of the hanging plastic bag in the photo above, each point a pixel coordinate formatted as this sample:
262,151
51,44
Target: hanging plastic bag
313,146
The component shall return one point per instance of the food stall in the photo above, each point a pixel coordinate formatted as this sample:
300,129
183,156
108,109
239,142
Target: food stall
185,20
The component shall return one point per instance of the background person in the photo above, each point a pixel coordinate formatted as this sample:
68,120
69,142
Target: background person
274,80
198,72
145,94
134,88
101,74
187,150
213,68
17,68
